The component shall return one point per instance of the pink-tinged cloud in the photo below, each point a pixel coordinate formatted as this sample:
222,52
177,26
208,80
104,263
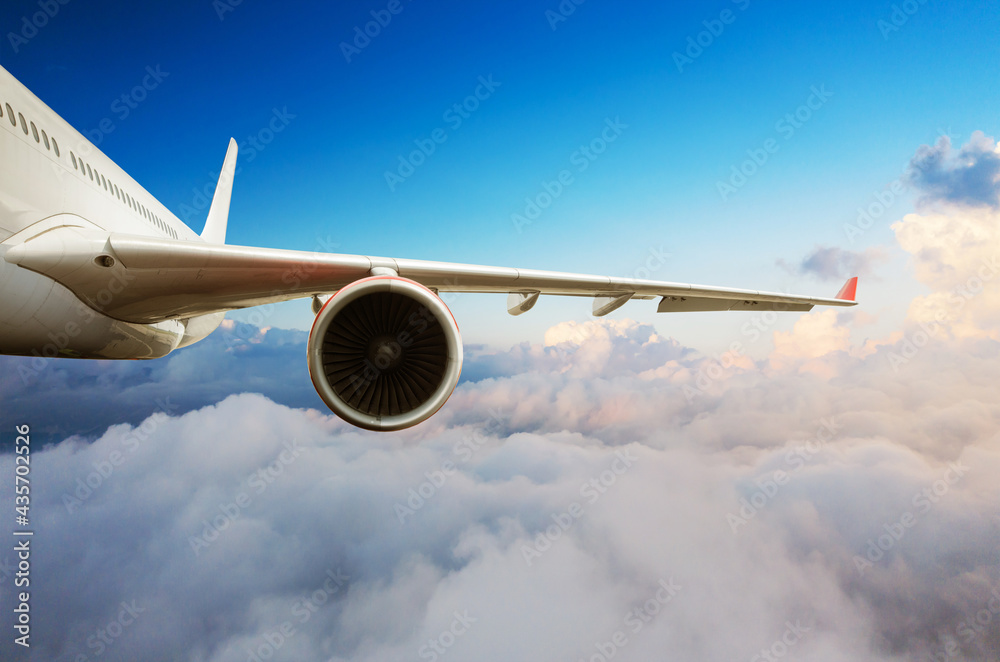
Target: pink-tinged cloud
607,491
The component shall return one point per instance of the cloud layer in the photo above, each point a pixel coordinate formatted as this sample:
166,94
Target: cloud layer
606,492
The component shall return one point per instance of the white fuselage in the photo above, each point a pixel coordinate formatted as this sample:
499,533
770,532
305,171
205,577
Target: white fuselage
51,176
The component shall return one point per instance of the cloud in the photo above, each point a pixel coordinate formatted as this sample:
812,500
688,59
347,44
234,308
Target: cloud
835,263
531,505
956,254
67,397
970,176
607,490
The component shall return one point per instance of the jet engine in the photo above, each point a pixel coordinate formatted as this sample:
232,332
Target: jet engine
384,353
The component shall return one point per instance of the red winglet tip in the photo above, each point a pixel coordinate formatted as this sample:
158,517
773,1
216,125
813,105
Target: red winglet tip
849,290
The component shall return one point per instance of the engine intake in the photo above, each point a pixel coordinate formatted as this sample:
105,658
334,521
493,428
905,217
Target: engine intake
385,353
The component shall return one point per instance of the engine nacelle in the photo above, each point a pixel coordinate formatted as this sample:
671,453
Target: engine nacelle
385,353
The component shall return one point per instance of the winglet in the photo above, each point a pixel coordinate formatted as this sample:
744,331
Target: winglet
849,290
218,213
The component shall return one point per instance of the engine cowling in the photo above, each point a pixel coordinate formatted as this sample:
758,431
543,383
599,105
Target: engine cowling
385,353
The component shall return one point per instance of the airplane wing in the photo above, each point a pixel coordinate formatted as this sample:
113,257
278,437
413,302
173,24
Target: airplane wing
146,279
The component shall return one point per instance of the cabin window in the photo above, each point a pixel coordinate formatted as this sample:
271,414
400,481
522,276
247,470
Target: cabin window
34,132
90,172
24,125
46,138
55,146
72,157
10,115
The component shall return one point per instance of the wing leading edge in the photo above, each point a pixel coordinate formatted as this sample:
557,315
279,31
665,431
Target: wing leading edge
159,279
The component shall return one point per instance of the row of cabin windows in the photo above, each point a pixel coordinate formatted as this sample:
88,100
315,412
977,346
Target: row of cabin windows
54,146
126,199
84,168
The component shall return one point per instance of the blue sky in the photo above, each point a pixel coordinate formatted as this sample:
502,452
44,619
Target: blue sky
782,486
321,182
